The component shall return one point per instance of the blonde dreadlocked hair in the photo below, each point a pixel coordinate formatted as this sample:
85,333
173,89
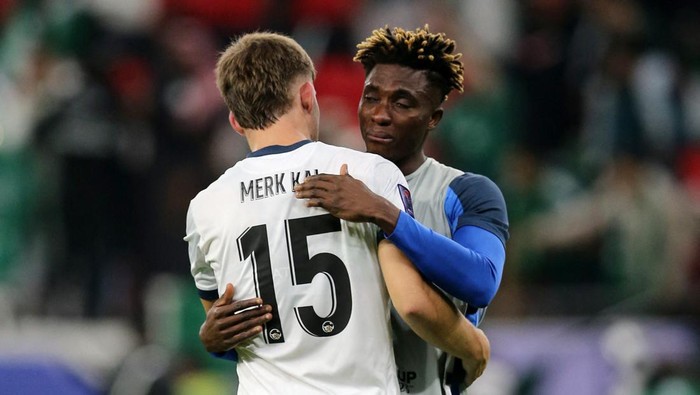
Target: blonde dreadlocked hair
418,49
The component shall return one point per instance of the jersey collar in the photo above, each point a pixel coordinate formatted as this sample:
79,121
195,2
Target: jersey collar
277,149
420,170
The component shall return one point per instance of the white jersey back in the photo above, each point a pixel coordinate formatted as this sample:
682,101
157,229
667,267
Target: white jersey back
330,333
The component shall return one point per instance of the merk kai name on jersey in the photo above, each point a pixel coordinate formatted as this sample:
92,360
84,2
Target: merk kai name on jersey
268,186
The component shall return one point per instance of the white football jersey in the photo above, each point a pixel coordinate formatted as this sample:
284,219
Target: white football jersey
330,331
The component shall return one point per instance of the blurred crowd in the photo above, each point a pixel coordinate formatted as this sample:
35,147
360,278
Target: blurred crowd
585,112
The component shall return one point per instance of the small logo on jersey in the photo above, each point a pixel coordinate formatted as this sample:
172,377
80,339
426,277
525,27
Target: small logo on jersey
328,326
406,378
406,199
275,334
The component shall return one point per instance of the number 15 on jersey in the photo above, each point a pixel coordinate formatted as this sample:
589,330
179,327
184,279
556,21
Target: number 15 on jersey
253,243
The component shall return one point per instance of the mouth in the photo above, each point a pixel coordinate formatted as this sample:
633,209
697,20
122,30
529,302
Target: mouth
379,137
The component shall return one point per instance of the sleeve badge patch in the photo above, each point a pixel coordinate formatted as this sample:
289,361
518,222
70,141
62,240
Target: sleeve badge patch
406,199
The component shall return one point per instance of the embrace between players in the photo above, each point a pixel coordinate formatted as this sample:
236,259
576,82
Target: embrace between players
353,284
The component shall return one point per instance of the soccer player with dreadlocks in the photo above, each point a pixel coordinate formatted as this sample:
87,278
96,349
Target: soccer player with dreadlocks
457,239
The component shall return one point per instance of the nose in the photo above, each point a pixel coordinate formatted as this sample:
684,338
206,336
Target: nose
380,114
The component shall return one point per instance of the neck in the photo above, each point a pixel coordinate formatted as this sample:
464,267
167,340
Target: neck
411,164
283,132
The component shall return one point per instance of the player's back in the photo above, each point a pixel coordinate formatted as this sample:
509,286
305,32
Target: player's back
330,332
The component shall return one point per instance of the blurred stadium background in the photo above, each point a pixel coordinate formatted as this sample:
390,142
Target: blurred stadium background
585,112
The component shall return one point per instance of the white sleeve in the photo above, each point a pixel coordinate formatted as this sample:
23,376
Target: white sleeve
203,274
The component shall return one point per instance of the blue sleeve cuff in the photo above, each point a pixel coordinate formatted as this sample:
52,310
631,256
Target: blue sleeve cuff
230,355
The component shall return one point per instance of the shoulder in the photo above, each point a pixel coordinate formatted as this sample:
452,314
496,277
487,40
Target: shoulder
359,161
475,194
213,191
348,152
478,201
437,170
461,182
475,184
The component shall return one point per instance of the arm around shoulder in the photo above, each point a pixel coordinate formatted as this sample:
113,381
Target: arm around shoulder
430,314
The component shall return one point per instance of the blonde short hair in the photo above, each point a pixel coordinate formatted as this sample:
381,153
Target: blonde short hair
254,75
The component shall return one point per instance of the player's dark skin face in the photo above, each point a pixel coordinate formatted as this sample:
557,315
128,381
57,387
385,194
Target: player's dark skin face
398,109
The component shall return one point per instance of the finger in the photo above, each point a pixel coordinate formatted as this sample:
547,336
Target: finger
230,316
344,169
321,182
244,321
311,179
314,202
239,305
247,304
227,297
315,190
310,194
228,293
244,336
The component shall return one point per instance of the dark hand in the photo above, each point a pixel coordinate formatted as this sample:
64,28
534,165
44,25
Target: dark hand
347,198
225,327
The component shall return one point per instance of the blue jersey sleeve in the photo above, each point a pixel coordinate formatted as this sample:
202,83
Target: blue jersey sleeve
469,266
475,200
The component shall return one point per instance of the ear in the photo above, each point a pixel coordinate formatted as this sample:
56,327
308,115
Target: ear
235,125
435,118
307,93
